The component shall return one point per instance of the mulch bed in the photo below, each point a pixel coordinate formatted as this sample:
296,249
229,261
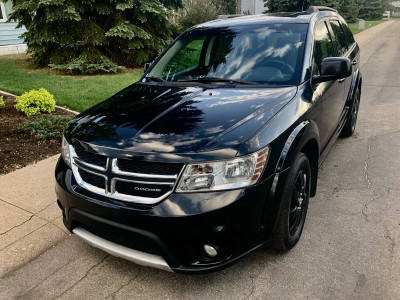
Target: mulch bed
18,149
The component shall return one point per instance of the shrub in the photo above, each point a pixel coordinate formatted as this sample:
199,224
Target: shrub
1,102
35,102
86,64
199,11
196,12
45,127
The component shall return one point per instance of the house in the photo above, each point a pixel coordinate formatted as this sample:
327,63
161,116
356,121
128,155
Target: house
396,9
251,7
10,43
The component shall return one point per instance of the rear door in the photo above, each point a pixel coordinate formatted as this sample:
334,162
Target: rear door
353,54
343,47
335,110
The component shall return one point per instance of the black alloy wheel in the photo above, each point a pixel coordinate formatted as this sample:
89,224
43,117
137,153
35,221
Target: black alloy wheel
299,197
350,126
294,205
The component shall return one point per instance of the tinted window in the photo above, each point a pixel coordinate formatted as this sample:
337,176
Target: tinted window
188,56
323,46
349,34
340,37
271,54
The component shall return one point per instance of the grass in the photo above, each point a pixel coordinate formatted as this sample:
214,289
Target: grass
75,92
368,24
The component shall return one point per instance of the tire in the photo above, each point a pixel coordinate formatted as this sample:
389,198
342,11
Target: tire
294,205
351,122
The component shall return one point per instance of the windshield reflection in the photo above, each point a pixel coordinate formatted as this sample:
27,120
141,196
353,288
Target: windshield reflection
269,54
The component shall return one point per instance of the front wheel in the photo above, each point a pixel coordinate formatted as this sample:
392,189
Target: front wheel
351,122
294,206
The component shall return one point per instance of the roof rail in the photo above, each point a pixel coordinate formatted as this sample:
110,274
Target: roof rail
224,17
314,9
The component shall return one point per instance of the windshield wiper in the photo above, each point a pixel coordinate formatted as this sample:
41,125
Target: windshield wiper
217,79
156,79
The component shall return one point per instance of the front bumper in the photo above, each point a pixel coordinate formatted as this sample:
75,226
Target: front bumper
171,234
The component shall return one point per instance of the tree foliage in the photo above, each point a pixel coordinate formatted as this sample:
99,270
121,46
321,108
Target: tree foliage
196,12
174,4
372,9
349,9
199,11
87,36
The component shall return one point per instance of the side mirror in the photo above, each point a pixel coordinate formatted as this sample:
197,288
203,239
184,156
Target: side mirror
333,68
147,65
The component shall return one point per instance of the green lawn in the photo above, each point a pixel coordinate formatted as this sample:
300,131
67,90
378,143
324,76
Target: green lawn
368,24
75,92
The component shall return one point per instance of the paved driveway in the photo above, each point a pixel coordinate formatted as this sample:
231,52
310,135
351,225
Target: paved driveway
349,248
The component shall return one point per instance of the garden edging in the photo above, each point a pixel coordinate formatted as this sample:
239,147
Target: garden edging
60,107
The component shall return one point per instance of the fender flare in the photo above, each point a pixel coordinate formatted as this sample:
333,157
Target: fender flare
300,136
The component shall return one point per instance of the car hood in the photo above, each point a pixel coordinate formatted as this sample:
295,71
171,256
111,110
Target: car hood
154,118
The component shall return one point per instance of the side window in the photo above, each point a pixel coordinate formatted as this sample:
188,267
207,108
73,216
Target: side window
323,46
186,58
340,37
349,35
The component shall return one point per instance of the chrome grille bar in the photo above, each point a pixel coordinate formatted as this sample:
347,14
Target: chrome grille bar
112,174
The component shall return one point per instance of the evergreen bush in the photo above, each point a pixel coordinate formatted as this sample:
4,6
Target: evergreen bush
45,127
87,36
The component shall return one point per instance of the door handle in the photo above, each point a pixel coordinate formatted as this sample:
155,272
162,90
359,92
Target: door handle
341,80
354,62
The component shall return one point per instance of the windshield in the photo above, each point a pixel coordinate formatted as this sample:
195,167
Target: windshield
267,54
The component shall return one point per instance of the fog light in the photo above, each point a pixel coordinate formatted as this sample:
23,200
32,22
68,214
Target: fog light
210,250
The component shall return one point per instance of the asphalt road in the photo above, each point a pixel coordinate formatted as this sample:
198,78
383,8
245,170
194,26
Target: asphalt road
349,248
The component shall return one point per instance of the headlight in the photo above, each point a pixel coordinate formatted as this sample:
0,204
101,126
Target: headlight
223,175
65,151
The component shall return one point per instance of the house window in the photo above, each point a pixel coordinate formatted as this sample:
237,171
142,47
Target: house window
3,17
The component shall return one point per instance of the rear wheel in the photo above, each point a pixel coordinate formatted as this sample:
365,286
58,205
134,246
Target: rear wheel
294,206
351,122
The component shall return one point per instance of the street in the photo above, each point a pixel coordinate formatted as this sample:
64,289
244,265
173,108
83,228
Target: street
350,244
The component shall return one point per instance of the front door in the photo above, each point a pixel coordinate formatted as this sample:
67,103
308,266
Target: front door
331,93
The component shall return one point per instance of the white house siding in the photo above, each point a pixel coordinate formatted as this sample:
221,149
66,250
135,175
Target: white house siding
9,35
10,42
253,6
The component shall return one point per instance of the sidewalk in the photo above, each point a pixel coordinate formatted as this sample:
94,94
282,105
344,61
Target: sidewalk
30,220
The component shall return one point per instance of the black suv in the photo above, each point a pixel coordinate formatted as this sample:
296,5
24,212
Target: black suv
215,151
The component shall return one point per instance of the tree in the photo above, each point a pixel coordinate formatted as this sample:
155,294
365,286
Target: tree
87,36
372,9
196,12
286,5
349,10
173,4
225,7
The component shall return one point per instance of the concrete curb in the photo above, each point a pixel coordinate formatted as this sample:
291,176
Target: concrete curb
60,107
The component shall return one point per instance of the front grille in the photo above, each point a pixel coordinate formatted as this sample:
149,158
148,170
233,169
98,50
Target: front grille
122,179
91,158
95,180
135,166
124,238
